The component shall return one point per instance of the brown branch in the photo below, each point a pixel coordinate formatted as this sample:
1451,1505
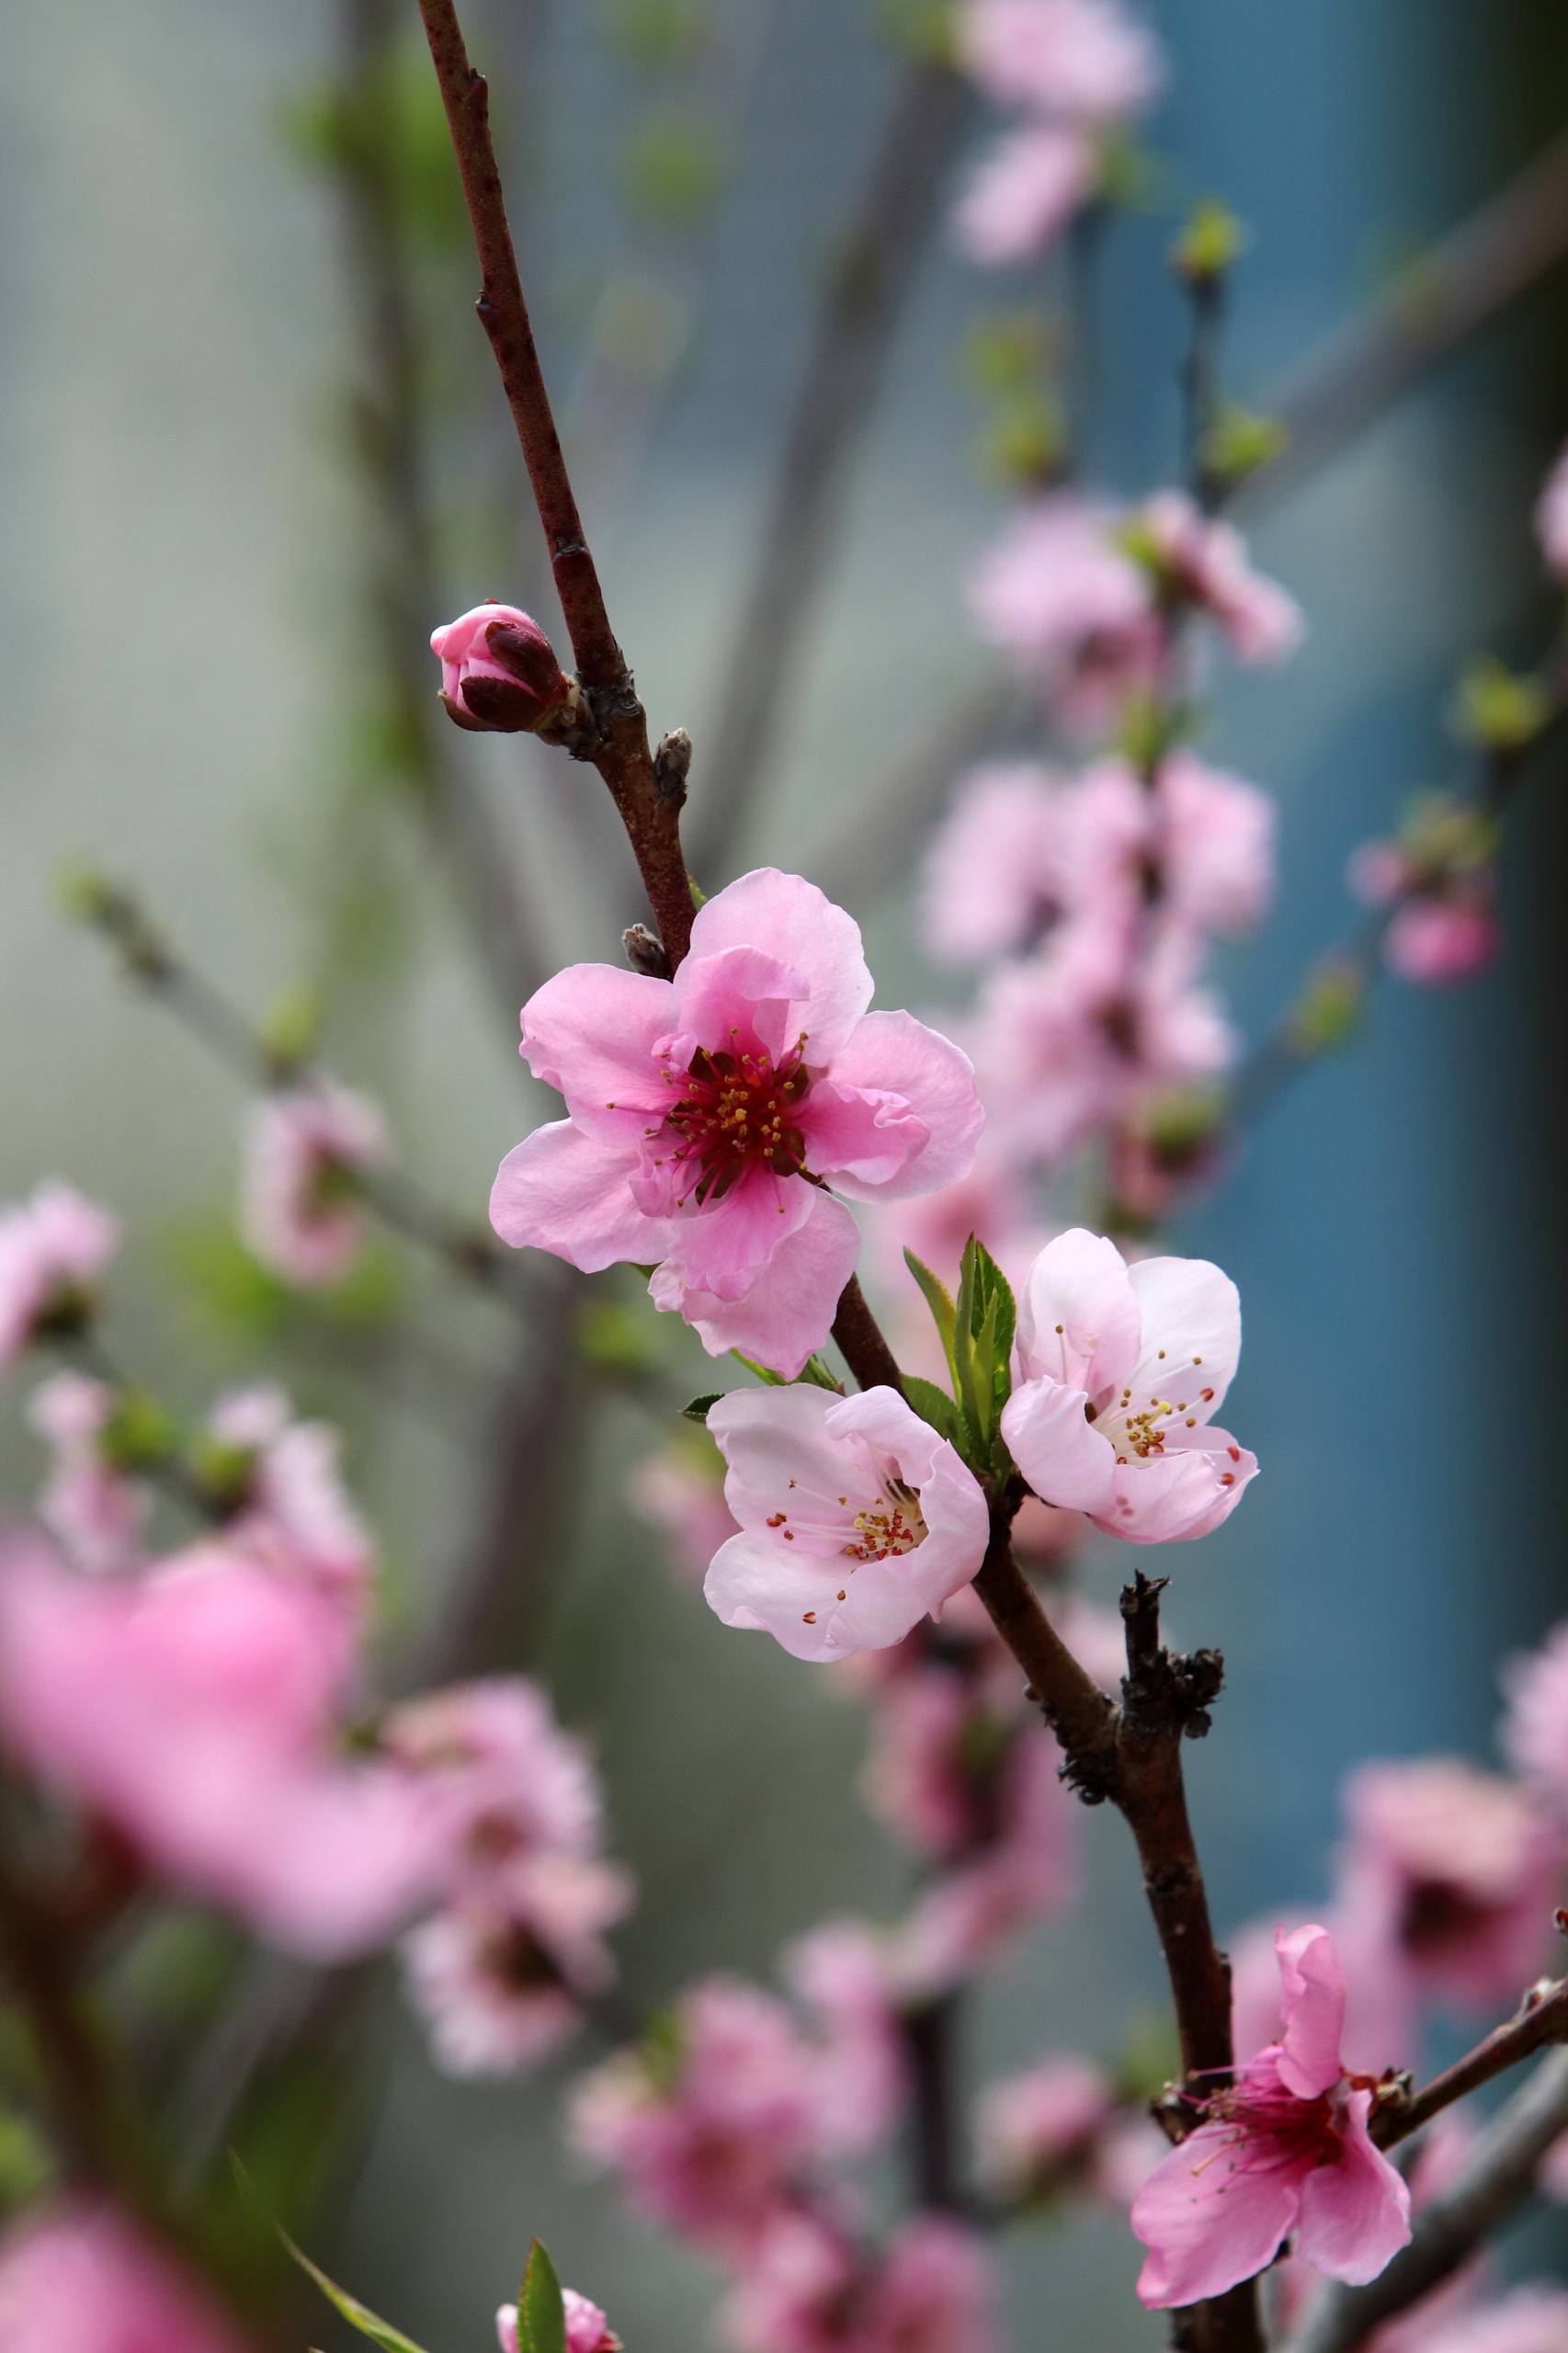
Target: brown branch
850,345
1540,2020
621,752
78,2090
1496,2177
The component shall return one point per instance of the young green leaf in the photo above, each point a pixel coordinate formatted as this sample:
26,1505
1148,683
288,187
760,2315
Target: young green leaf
940,1299
700,1407
541,2308
773,1380
935,1406
357,2315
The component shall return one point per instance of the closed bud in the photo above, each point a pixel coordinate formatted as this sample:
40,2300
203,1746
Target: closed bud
499,674
645,954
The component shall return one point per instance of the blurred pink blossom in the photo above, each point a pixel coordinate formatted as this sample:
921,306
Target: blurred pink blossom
305,1147
1206,563
1025,1869
1205,838
1059,595
808,2289
1551,518
844,1976
1024,191
1040,2132
82,2279
1122,1367
1454,1873
194,1708
1086,58
53,1247
1535,1727
96,1510
681,1491
856,1518
504,1779
1285,2149
1442,926
289,1492
993,871
700,1107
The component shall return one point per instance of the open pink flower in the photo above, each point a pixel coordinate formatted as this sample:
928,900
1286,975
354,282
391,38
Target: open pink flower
1041,2132
95,1509
808,2288
1453,1874
1208,837
708,1113
82,2279
504,1779
993,871
195,1708
1207,562
856,1518
1122,1368
53,1247
1068,603
1085,58
288,1494
587,2330
1285,2149
301,1212
1024,192
499,670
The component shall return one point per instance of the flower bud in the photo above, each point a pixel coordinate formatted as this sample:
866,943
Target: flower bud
499,673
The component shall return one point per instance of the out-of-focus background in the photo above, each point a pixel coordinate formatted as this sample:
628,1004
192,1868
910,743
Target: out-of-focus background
189,655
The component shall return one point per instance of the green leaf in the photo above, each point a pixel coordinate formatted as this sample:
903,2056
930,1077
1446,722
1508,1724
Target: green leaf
700,1407
541,2308
764,1372
940,1299
359,2316
813,1373
935,1406
985,1319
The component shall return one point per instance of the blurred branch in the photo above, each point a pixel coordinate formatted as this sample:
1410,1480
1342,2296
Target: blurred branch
622,753
402,581
851,341
39,1967
1496,2177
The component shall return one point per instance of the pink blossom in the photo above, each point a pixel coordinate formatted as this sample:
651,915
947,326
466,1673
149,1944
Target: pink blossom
302,1209
713,2125
994,877
856,1518
1207,564
1069,57
808,2288
82,2279
505,1780
1024,192
502,1982
1061,595
1040,2132
1025,1869
703,1110
499,670
53,1247
1535,1727
587,2330
1122,1368
1455,1874
1380,2024
681,1491
95,1509
1551,518
1285,2149
286,1493
193,1708
1208,839
1530,2320
844,1976
1442,927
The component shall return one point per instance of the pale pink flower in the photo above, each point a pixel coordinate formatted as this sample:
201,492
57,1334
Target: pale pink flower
1551,518
1534,1733
194,1709
681,1491
713,2127
1040,2132
702,1108
501,1984
95,1509
856,1518
287,1494
844,1976
1207,564
53,1247
1059,595
808,2289
1205,838
1380,2023
506,1781
993,878
587,2330
1024,1870
1060,57
1284,2149
82,2279
1454,1872
1024,191
302,1206
1122,1368
499,670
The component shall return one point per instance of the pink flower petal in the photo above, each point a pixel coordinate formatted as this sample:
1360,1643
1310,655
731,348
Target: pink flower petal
1355,2215
1313,1988
894,1055
1210,2219
787,1312
796,923
561,1191
1192,1333
1062,1455
1078,1321
590,1033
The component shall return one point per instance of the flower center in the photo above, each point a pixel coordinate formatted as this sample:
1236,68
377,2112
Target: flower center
737,1110
889,1530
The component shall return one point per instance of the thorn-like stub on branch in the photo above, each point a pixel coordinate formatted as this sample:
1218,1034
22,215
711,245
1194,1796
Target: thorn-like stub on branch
1164,1691
672,765
644,953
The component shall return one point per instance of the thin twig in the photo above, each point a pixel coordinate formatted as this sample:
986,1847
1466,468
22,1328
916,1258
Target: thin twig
851,341
1540,2020
1496,2177
621,752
